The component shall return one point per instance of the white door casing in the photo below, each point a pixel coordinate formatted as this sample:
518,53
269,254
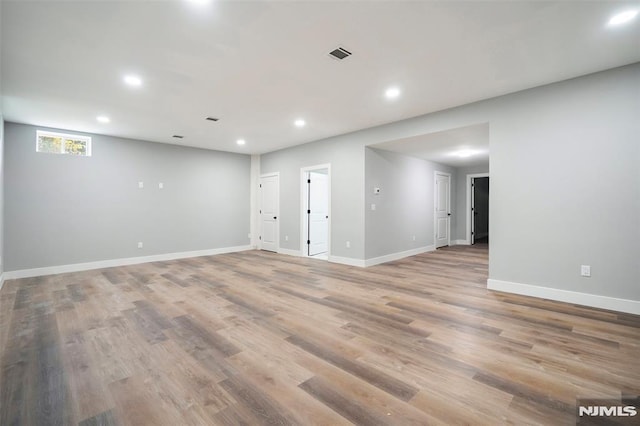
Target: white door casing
269,211
319,213
442,214
473,210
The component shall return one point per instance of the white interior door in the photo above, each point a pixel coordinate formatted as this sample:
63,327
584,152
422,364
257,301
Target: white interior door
318,213
443,209
269,202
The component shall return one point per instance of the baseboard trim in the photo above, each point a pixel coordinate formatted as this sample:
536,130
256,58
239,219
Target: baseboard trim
347,261
77,267
290,252
585,299
461,242
1,280
397,256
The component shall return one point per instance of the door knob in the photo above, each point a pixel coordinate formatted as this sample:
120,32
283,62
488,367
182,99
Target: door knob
275,217
448,214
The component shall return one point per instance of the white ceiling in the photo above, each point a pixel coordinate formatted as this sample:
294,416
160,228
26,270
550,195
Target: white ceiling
260,65
443,147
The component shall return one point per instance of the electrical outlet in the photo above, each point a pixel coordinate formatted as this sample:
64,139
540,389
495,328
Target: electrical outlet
286,238
373,206
139,244
140,185
414,238
348,244
160,185
585,270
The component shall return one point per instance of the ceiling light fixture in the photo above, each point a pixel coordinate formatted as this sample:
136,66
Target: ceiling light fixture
133,80
465,153
241,142
622,18
103,119
392,93
300,123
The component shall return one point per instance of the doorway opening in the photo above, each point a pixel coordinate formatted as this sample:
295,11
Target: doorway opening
315,211
478,212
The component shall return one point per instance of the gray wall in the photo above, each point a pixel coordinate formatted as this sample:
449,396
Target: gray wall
63,209
2,251
346,156
2,258
462,202
565,185
405,205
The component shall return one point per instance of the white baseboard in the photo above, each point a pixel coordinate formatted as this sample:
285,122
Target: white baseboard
290,252
1,280
397,256
592,300
347,261
460,243
61,269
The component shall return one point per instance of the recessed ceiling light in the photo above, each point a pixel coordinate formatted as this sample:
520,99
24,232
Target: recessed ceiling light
103,119
133,80
241,142
392,93
300,123
464,153
623,18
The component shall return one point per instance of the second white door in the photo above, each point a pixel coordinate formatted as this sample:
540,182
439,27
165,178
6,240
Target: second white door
318,213
269,202
442,209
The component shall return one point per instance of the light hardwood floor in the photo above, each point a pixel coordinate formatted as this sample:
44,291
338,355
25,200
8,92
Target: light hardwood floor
260,338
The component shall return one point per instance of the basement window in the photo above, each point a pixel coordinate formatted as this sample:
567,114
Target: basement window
62,143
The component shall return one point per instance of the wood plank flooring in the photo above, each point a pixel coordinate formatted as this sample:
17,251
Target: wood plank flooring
259,338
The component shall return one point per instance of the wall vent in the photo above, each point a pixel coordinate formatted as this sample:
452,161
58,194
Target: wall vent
340,53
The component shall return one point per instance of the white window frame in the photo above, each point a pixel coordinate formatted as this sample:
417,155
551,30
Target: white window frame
85,139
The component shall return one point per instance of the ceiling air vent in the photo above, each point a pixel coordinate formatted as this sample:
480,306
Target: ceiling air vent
211,119
340,53
178,136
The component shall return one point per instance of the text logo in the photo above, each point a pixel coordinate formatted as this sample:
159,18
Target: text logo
607,411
